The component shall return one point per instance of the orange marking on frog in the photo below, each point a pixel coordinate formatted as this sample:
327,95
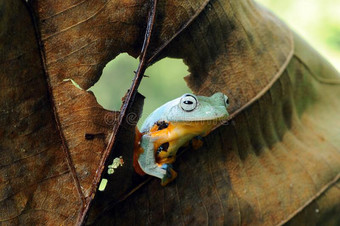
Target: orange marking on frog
137,151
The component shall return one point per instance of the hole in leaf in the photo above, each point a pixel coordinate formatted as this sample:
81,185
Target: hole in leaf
114,82
165,82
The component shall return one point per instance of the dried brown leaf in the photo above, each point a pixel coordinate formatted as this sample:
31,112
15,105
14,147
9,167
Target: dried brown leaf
277,161
36,182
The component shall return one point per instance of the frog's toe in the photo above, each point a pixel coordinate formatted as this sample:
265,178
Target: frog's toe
170,175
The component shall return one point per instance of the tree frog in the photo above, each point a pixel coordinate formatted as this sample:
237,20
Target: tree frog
173,125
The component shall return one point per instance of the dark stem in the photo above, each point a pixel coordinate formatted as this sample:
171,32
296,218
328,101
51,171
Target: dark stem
129,100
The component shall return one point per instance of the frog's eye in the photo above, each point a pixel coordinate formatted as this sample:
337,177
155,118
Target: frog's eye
226,99
188,102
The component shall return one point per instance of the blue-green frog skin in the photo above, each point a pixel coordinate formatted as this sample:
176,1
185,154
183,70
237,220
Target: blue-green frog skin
173,125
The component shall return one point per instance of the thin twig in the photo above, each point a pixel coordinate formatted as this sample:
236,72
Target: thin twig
128,102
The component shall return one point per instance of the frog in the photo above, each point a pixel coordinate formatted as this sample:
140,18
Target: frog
179,122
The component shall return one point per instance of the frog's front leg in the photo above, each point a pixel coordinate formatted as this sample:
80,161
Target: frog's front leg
148,163
147,159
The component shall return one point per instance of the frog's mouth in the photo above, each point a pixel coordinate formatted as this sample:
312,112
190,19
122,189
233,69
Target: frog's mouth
212,120
206,125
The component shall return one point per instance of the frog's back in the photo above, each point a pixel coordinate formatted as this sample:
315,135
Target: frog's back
160,114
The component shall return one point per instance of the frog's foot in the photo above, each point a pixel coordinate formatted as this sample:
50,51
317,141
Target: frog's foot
169,176
155,171
196,142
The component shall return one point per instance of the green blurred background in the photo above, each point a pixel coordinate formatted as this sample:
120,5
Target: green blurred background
316,21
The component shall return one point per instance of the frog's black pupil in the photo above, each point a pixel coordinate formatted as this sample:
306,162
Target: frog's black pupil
227,101
163,147
162,125
188,102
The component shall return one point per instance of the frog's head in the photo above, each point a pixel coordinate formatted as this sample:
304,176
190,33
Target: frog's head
191,108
